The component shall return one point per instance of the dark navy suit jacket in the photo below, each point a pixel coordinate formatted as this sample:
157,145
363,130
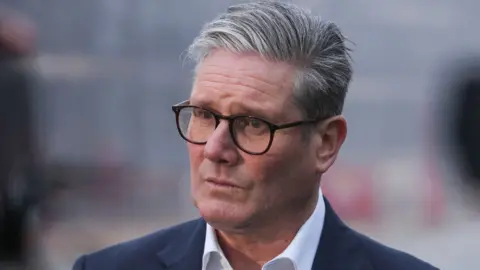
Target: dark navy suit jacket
181,248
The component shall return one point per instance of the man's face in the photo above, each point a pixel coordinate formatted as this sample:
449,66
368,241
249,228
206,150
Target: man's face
267,184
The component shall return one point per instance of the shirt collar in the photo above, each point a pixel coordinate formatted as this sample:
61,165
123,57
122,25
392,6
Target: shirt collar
301,250
212,250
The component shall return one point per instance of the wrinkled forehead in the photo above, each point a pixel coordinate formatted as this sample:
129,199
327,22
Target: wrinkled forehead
245,78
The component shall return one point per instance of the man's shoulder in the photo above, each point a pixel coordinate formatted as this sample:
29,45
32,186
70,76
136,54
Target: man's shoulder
153,241
140,249
385,257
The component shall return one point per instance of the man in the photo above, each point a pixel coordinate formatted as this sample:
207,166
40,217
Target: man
263,123
20,181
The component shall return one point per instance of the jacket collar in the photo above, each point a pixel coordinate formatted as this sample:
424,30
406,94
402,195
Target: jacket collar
184,250
340,247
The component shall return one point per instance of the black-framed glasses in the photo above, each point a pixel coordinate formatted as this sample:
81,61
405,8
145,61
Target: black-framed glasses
252,135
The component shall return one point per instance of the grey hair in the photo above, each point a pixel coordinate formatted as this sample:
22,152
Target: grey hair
285,32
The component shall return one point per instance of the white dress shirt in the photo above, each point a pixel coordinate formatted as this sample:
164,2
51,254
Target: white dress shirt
299,255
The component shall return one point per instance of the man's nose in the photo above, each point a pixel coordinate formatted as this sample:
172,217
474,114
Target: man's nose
220,147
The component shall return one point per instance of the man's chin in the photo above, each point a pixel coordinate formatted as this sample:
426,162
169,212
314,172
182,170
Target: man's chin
224,217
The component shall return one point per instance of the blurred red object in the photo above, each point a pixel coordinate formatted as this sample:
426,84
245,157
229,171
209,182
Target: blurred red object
435,206
350,191
17,34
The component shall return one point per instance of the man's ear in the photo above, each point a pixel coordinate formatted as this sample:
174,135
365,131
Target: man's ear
331,135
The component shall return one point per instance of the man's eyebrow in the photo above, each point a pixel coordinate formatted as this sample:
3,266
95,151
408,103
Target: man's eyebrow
236,109
207,105
204,104
240,109
274,118
244,110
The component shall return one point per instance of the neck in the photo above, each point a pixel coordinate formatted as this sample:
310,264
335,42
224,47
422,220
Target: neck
255,246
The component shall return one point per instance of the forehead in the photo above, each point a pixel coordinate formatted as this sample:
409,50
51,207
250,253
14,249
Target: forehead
229,80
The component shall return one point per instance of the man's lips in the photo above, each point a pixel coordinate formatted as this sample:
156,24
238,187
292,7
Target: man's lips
222,183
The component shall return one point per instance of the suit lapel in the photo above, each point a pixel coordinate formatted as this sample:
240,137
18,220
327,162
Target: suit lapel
185,250
339,247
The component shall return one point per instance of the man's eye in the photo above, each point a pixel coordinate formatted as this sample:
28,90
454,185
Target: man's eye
256,123
253,125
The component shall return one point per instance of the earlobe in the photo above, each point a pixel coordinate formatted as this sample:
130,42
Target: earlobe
332,135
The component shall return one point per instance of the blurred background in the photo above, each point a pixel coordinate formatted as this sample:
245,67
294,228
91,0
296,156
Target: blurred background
106,73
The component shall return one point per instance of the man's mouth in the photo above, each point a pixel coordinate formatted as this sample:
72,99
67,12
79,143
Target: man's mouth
221,183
